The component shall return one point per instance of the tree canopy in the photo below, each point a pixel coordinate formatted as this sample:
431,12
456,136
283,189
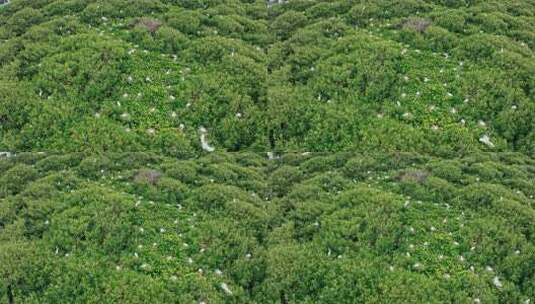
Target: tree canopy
252,151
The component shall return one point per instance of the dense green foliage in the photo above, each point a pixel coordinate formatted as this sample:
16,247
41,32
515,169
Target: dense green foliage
342,228
402,137
315,75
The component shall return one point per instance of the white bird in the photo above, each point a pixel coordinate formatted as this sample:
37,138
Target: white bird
226,289
496,281
485,139
5,154
204,142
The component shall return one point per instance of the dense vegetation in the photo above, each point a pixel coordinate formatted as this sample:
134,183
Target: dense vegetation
315,75
401,139
238,228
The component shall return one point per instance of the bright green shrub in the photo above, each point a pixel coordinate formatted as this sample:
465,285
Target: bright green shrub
23,19
172,41
283,178
94,166
285,24
16,178
187,22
